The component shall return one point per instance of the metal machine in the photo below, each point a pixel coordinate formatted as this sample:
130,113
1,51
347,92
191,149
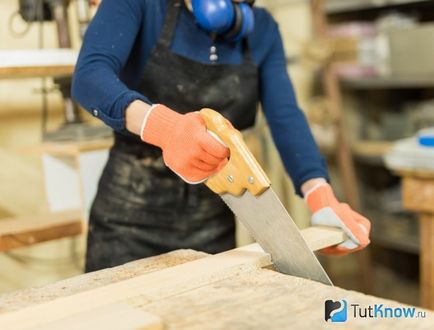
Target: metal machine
56,10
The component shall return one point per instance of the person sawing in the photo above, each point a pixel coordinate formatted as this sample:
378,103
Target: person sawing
145,68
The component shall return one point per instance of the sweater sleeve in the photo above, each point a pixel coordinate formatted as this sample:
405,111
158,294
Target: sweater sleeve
288,125
107,44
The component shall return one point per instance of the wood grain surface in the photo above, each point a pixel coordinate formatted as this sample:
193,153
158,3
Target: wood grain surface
243,298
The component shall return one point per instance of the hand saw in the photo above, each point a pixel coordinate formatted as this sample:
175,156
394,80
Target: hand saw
245,188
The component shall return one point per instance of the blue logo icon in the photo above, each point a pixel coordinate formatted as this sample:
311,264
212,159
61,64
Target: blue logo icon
335,311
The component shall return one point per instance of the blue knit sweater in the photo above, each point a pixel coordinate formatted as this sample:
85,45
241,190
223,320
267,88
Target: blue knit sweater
120,39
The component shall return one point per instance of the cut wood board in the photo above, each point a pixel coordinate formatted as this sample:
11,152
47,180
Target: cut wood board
264,299
22,231
156,285
153,286
113,317
24,298
318,237
243,298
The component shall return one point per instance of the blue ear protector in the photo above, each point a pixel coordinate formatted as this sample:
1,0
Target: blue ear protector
231,20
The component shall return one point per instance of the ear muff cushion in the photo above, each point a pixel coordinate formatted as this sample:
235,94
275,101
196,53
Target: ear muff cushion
213,15
243,22
248,20
236,25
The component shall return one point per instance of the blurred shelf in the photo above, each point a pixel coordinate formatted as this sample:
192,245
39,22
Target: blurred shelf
371,151
394,82
31,63
342,6
28,230
368,151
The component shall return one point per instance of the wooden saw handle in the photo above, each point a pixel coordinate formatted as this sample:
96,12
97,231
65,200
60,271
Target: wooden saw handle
242,172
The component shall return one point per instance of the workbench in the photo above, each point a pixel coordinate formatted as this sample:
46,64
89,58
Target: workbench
418,196
186,289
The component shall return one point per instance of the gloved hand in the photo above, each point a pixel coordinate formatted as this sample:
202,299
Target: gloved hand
188,149
327,210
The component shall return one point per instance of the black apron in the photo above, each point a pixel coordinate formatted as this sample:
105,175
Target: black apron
142,208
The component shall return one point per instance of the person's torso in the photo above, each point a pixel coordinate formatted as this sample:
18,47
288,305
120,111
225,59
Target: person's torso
185,85
191,41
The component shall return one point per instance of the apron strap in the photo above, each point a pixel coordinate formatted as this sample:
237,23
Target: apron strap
173,10
245,48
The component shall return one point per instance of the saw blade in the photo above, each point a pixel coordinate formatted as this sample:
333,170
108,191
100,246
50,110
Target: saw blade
273,228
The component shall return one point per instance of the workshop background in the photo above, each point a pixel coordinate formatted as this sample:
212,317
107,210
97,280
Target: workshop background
364,75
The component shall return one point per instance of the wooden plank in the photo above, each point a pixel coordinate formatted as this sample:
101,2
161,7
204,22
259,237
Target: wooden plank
427,260
113,317
418,193
20,299
23,231
36,71
152,287
265,299
257,299
318,237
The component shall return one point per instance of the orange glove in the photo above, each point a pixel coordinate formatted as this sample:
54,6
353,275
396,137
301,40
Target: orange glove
95,3
188,149
328,211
